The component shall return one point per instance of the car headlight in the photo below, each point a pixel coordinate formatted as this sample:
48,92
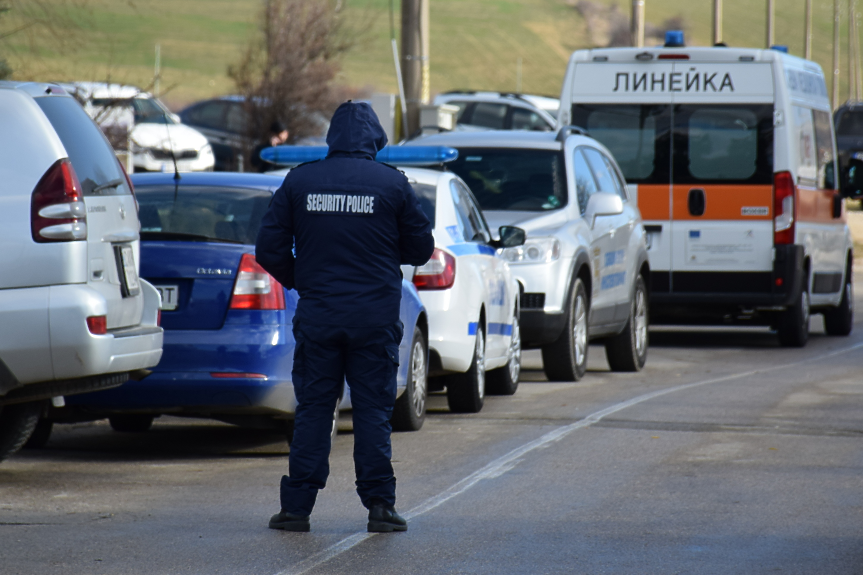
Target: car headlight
534,251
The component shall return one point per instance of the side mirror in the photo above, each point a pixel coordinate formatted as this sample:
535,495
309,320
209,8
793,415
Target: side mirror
510,237
851,184
602,204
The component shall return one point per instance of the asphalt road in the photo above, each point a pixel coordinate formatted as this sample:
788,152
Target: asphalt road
727,454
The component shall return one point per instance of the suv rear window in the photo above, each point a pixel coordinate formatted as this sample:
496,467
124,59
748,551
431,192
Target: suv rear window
90,153
513,179
193,213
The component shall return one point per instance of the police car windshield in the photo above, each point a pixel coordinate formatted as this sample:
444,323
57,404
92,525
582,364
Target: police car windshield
202,213
426,194
513,179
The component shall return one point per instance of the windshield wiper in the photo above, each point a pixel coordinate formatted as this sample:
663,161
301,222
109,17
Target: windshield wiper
153,235
107,185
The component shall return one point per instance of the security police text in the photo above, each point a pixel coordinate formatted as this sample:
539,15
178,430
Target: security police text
340,203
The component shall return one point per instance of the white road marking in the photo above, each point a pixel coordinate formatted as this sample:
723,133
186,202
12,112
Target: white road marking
507,462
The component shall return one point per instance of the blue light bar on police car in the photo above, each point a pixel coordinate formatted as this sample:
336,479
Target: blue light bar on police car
396,155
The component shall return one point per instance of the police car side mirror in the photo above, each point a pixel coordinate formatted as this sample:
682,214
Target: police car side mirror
602,204
852,179
510,237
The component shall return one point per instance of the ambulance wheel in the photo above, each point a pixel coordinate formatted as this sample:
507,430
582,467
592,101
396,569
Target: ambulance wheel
839,320
793,325
40,436
566,358
504,380
465,392
627,351
17,422
131,423
410,409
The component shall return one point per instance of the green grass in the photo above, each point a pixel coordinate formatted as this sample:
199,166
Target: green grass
474,44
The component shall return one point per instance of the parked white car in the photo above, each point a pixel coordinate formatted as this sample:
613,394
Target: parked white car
74,315
157,136
469,293
498,111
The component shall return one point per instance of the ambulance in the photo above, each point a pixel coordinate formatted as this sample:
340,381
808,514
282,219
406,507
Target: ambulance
731,155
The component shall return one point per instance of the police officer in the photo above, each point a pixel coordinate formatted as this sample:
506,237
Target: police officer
352,221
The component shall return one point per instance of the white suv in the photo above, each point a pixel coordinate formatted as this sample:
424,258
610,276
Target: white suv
74,315
498,111
583,268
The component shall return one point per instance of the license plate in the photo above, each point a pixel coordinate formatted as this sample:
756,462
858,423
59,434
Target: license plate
170,296
128,272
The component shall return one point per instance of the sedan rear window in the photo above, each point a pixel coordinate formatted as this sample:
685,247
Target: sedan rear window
201,213
90,153
513,179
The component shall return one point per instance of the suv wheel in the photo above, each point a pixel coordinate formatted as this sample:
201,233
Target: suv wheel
627,351
465,392
566,358
17,422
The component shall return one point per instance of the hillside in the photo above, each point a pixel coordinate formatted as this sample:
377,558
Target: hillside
474,44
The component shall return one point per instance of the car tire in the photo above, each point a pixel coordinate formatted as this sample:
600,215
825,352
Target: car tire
41,434
840,319
131,422
792,326
566,358
17,422
465,392
409,412
504,380
627,351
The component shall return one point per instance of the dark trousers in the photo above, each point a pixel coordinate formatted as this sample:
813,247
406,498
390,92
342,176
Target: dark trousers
323,358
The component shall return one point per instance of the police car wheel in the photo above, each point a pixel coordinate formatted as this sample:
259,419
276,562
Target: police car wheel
627,351
410,409
465,392
566,358
793,324
131,423
840,320
504,380
17,422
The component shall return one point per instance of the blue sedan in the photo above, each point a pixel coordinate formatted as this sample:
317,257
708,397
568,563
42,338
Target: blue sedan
228,347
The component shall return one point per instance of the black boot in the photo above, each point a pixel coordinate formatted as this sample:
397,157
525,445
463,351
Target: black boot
384,519
289,522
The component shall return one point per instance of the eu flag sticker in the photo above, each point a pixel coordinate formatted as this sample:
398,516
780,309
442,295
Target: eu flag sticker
694,234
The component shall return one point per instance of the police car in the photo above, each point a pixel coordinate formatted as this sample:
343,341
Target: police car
584,264
731,153
467,288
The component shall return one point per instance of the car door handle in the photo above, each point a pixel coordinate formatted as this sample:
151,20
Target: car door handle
696,201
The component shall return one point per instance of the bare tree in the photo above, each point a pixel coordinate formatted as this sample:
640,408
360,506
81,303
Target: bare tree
286,74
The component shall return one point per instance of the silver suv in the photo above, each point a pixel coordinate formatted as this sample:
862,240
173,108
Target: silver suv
497,111
584,267
74,315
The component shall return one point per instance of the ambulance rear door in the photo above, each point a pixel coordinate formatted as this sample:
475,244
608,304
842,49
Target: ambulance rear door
722,178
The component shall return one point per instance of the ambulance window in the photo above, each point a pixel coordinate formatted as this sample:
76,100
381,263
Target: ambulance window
585,186
488,115
637,137
824,143
807,164
723,144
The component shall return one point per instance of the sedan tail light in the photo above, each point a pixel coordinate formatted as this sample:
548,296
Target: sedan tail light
57,211
438,273
784,208
255,288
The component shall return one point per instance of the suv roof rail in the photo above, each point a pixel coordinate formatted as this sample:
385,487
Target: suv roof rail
566,131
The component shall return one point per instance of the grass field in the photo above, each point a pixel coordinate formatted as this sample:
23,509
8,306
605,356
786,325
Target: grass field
475,44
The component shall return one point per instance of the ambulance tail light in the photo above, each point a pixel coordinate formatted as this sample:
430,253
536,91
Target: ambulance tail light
784,208
255,289
438,273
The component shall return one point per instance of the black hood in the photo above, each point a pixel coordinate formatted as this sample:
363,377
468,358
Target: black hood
355,131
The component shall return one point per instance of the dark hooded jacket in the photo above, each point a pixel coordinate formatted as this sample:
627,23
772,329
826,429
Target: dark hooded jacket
353,221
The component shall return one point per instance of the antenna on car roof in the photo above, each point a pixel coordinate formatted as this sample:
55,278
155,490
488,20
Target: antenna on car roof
171,147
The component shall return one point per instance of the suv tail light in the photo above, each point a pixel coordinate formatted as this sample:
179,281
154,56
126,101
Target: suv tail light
438,273
255,288
57,211
784,208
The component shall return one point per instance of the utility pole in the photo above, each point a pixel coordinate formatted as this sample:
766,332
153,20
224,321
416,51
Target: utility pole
852,56
807,41
637,29
834,84
415,15
770,13
717,21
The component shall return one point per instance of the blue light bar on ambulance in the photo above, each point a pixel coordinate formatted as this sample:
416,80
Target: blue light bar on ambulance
396,155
